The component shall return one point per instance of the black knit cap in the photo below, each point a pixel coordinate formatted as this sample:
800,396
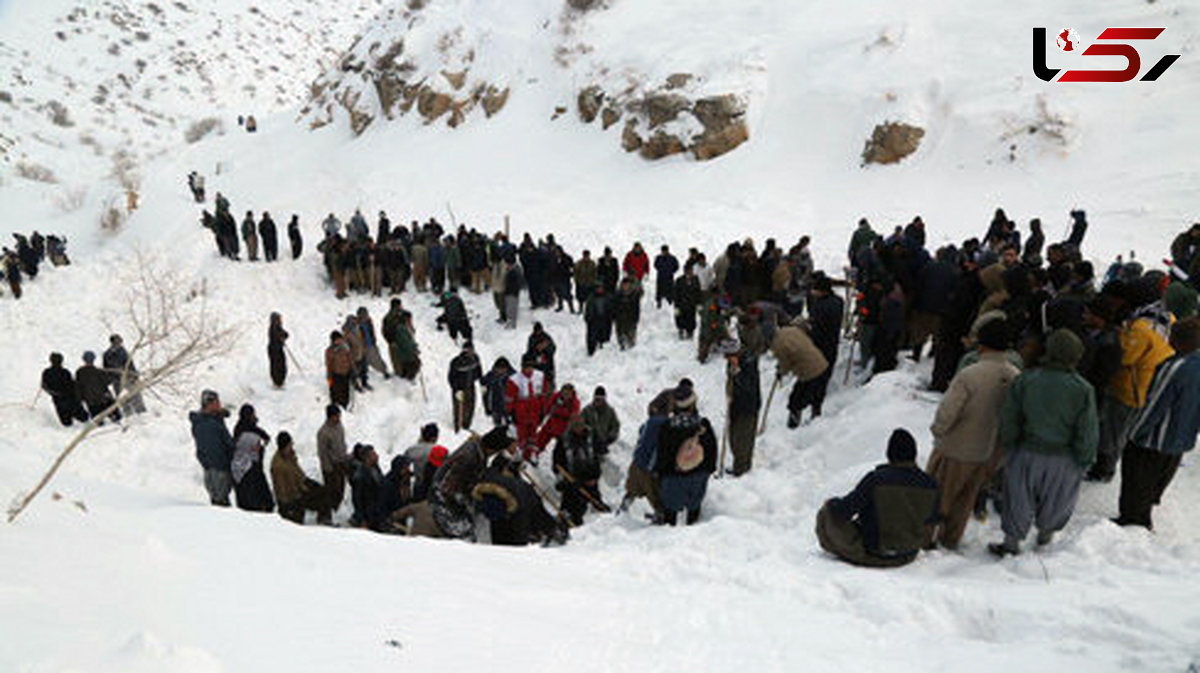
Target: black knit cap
902,448
496,439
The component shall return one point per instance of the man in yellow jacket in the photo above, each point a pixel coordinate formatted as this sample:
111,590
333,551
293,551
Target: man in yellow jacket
1143,346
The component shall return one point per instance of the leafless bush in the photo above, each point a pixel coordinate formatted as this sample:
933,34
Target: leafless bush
172,332
201,128
125,172
59,116
111,217
34,171
70,200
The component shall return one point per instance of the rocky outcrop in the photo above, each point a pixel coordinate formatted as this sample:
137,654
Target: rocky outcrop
377,77
890,142
662,145
588,103
675,123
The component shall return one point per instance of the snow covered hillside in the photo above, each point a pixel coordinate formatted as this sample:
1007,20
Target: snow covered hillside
129,569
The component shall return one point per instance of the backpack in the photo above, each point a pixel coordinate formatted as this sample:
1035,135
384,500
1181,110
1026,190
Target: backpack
690,453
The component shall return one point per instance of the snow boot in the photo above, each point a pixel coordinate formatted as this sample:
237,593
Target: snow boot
1006,548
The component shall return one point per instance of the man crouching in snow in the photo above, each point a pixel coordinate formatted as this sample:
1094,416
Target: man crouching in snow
882,522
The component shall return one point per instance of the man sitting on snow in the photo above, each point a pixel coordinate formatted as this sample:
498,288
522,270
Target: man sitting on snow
881,523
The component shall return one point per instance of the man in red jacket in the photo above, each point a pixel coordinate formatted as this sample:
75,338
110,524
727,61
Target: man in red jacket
637,262
563,405
525,396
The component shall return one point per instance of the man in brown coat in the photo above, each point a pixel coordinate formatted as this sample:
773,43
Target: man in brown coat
294,491
965,450
339,367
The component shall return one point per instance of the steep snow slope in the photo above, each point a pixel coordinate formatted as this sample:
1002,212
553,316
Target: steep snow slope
150,578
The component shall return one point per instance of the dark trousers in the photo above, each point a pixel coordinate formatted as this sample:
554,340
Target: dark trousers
1145,474
69,410
844,539
278,366
96,407
457,328
339,390
464,409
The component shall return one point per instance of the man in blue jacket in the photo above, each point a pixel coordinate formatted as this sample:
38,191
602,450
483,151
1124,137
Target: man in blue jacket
214,447
1164,429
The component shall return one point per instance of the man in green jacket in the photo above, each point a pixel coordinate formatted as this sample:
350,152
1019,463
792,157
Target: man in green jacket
1049,430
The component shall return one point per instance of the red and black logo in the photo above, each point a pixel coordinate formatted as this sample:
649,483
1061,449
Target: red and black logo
1113,46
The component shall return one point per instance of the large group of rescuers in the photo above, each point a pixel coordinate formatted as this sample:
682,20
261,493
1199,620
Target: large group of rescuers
1051,377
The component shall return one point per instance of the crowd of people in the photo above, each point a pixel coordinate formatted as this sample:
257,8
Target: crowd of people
264,233
29,253
1052,375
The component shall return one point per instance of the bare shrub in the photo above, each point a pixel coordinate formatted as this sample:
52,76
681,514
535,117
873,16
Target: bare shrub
111,217
34,171
125,170
201,128
70,200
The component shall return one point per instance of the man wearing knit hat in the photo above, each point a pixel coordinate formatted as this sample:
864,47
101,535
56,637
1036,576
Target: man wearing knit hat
1048,431
882,522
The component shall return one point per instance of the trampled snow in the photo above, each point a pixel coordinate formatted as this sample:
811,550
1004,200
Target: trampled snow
129,569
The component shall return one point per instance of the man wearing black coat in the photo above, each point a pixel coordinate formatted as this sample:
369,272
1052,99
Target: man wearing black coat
665,267
94,385
58,384
465,372
825,313
608,272
935,291
294,236
597,313
687,295
270,237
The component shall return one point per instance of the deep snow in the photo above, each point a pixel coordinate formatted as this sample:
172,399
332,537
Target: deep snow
146,577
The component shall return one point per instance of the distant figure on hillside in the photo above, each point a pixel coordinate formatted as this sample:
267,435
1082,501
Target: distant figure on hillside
251,124
294,236
882,522
196,184
277,338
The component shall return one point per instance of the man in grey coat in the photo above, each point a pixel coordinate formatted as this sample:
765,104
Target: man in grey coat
335,462
214,447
